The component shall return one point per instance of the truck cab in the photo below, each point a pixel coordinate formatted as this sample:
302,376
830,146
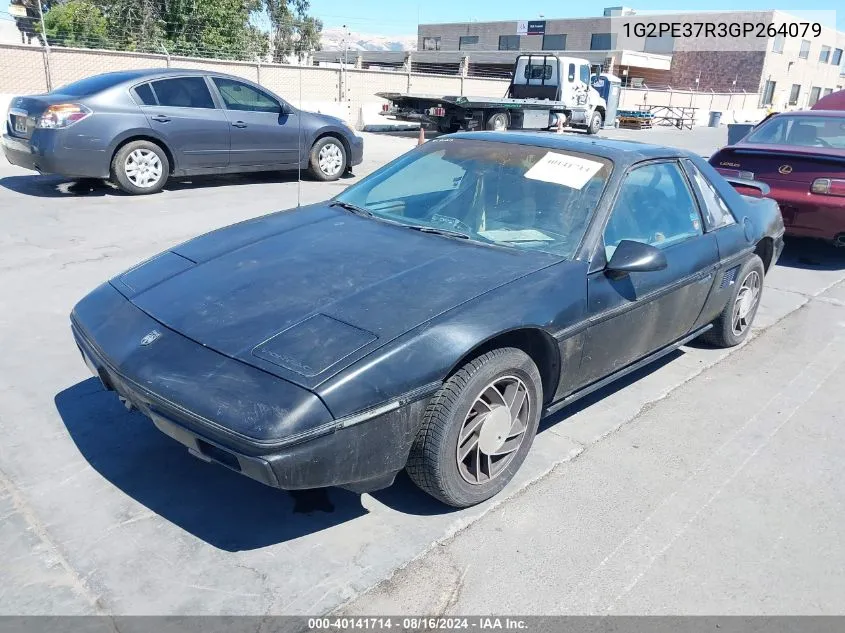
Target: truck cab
566,80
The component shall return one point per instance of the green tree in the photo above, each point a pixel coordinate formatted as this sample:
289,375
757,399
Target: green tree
293,31
75,23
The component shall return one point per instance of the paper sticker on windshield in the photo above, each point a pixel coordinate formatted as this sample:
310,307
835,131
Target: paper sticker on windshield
561,169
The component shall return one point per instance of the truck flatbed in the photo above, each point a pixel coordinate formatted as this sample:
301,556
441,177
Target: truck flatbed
470,102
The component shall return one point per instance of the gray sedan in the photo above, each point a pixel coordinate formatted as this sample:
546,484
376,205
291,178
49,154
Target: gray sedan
139,127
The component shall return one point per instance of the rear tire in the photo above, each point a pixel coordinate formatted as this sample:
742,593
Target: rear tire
140,168
328,159
497,122
596,123
733,325
461,464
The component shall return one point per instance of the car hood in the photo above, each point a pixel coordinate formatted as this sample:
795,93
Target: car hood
303,294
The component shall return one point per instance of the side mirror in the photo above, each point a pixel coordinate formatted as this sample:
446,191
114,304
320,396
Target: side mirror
635,257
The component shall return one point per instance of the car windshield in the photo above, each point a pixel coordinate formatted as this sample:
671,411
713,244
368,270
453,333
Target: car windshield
804,131
521,196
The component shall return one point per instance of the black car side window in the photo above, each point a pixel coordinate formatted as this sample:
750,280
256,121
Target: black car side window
240,96
716,211
144,95
184,92
654,206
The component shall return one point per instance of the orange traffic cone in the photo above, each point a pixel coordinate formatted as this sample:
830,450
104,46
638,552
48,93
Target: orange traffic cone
421,138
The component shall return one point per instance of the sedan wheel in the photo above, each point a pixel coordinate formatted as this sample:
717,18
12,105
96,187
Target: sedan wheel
328,159
478,428
493,430
140,167
733,325
746,302
143,168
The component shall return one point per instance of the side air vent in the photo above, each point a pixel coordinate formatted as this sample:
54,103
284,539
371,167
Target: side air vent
729,277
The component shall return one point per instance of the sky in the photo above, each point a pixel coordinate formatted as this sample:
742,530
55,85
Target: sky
401,17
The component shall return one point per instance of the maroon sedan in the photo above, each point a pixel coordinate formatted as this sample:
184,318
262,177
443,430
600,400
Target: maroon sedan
801,156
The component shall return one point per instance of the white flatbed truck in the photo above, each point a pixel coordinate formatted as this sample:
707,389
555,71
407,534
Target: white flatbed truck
546,90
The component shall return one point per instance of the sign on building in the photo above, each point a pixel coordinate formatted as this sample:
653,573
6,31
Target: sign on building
534,27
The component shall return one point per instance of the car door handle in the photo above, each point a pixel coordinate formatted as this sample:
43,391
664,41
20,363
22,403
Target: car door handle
160,118
238,124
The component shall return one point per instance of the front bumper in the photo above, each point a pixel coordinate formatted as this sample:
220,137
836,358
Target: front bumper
46,154
356,146
360,453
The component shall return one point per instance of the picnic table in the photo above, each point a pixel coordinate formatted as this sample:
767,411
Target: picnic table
682,117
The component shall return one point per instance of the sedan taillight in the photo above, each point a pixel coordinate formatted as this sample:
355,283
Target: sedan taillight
63,115
736,173
828,186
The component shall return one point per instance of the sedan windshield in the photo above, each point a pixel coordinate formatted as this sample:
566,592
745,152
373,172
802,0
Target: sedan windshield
521,196
804,131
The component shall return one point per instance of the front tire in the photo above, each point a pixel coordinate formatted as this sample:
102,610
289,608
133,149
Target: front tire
596,122
733,325
328,159
478,428
140,168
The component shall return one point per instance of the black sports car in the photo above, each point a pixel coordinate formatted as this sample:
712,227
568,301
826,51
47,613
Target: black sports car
428,316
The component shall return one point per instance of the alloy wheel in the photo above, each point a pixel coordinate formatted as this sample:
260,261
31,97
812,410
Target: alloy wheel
746,302
493,430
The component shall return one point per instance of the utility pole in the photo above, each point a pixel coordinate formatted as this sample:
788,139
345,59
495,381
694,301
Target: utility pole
46,47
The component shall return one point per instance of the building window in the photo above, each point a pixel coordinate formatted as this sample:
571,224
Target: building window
465,41
777,43
837,57
663,45
804,53
824,56
768,93
814,96
794,94
601,42
827,91
431,43
509,42
554,42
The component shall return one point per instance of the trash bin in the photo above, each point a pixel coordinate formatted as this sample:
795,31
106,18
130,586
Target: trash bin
738,131
608,86
715,119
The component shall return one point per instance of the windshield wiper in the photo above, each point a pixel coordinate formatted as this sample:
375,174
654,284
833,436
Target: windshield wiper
438,231
353,208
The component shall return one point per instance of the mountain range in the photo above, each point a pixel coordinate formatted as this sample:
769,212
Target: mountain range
333,40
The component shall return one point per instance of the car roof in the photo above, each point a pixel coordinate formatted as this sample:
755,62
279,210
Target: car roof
615,150
142,73
833,101
828,113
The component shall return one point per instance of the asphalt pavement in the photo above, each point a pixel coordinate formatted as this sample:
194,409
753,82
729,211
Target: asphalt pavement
707,483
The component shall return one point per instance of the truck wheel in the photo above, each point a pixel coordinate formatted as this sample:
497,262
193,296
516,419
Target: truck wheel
596,122
498,122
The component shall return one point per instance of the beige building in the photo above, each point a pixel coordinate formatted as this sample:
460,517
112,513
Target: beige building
791,70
